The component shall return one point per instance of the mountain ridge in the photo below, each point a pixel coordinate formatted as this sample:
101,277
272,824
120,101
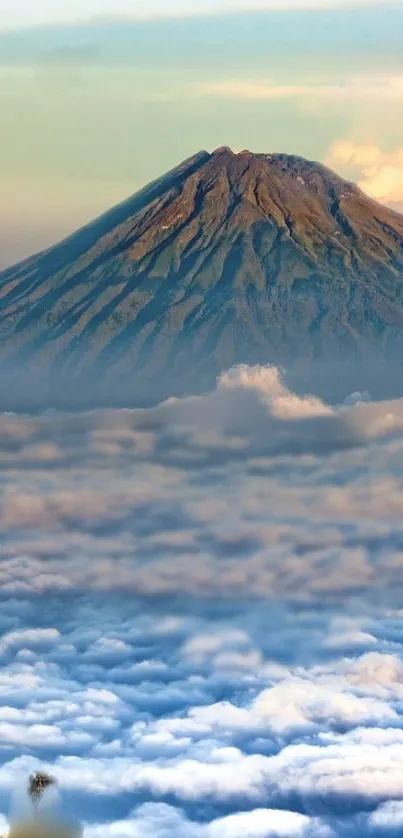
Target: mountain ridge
227,258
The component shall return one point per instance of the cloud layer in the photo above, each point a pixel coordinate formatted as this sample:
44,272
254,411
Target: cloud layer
200,617
248,490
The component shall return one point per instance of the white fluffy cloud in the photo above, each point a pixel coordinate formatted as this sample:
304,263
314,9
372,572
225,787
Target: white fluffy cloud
255,404
200,607
318,733
250,490
28,639
159,820
297,703
388,816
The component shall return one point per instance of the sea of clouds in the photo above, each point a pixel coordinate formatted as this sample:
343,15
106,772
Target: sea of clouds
201,614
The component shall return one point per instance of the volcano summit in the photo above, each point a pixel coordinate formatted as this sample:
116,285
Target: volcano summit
229,258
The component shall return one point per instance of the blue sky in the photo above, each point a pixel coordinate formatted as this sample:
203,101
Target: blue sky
34,12
93,107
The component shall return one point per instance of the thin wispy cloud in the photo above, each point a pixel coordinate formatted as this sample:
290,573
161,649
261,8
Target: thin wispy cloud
361,88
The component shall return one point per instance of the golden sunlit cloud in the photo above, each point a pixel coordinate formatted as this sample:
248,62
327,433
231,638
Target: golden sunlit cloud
386,88
379,173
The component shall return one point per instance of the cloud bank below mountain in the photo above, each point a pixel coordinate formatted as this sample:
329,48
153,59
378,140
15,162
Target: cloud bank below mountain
274,494
200,621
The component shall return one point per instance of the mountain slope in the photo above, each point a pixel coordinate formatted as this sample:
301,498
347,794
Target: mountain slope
229,258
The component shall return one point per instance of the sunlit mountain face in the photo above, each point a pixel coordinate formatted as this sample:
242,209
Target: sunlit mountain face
227,259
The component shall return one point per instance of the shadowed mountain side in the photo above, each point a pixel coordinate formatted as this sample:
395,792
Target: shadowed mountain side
230,258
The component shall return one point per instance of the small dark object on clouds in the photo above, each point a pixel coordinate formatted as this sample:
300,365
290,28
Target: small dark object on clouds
37,785
39,824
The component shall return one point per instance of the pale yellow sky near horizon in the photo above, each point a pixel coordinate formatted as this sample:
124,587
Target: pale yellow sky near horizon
92,113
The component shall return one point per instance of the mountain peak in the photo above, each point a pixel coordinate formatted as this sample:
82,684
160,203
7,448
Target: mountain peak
244,165
229,258
222,150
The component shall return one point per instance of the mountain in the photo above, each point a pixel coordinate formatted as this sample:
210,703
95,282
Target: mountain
228,258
